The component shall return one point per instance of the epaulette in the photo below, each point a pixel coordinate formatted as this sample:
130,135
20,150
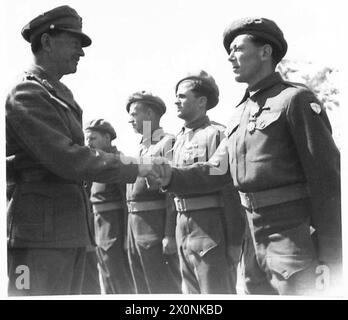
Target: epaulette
46,86
43,82
296,84
218,125
165,138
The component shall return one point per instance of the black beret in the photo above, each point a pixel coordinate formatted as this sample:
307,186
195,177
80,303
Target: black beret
262,27
148,98
102,126
206,80
63,18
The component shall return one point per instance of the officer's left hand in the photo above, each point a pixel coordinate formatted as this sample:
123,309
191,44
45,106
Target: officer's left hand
169,245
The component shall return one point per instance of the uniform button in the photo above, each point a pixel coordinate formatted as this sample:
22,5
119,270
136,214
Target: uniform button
285,274
201,253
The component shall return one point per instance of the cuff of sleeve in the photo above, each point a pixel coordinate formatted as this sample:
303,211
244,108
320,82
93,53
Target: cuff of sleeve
168,186
129,171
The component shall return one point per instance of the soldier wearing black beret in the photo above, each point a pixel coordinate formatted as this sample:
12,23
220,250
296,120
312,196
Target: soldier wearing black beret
48,228
209,227
286,166
151,244
109,216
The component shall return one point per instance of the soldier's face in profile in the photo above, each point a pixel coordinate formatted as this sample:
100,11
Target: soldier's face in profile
187,103
97,140
246,60
66,50
139,116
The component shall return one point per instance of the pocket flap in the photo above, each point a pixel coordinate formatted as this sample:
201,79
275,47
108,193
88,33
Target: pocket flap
105,244
265,119
202,245
286,266
148,241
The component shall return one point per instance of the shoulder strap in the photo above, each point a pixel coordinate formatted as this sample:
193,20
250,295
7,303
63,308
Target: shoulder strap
44,84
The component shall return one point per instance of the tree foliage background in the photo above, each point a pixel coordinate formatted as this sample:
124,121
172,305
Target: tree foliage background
323,81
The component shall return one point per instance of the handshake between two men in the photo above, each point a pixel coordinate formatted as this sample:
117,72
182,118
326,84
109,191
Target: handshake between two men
199,176
157,170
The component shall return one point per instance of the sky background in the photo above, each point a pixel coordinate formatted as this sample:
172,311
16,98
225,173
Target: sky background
150,45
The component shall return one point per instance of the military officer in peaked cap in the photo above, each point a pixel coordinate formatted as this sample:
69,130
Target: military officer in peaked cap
48,208
286,166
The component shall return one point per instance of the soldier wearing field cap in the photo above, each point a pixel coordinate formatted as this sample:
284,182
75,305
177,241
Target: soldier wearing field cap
101,127
286,166
48,210
209,230
110,217
151,220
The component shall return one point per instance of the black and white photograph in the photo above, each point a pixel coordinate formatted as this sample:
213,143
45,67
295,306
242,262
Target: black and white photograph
173,150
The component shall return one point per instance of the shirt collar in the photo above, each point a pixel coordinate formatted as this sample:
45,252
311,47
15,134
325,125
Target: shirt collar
266,83
262,85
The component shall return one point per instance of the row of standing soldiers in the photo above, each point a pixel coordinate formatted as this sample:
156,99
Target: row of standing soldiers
206,235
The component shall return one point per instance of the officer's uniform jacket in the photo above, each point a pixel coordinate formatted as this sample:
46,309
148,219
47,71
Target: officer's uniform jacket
289,143
160,144
44,140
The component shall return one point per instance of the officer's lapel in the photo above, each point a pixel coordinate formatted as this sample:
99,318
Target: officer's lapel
67,98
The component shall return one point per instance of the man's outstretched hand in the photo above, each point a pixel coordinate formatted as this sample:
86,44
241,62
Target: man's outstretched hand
155,169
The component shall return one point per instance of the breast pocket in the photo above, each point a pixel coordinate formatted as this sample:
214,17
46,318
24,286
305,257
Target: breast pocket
193,153
266,120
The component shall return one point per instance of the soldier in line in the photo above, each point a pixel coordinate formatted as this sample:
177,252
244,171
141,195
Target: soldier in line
151,220
286,166
209,235
48,208
110,217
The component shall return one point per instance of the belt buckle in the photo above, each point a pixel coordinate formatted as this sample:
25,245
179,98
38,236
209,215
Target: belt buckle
180,204
129,206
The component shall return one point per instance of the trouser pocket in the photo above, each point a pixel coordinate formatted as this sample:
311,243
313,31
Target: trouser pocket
290,251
